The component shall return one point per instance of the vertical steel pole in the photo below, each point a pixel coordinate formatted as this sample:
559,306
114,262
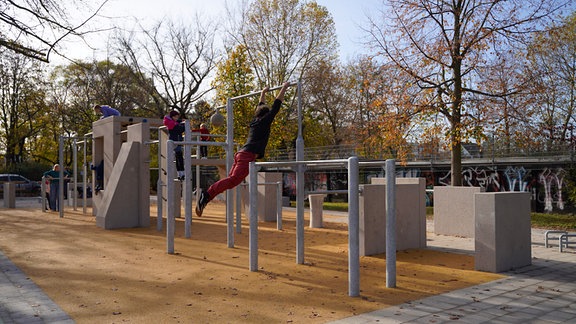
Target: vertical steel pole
43,194
170,198
279,205
353,228
159,202
198,172
61,177
253,235
239,208
390,224
85,177
187,181
229,162
299,94
299,183
75,176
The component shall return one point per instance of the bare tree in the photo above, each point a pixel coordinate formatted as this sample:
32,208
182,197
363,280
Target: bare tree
507,121
552,72
328,93
35,27
283,40
178,58
443,46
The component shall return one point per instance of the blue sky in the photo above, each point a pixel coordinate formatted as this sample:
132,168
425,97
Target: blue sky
347,15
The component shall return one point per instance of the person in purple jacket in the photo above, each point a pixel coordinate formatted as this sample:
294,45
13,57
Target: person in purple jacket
106,111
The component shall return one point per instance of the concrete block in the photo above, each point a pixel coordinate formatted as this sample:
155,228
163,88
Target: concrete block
502,231
140,133
419,181
9,194
267,196
109,136
122,210
454,210
285,201
316,209
410,218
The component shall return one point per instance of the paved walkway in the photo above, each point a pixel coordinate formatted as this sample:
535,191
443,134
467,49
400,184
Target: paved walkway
544,292
21,300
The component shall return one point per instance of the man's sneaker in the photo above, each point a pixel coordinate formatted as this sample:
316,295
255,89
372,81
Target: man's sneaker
202,202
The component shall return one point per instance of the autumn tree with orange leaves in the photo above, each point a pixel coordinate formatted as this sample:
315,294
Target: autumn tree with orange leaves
446,47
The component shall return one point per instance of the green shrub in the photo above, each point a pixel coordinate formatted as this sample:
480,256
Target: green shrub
570,187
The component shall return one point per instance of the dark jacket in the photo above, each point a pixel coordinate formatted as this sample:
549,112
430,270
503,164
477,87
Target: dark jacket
175,129
260,131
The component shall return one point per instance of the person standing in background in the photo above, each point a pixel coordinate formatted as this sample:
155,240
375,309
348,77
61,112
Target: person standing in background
203,148
46,185
54,177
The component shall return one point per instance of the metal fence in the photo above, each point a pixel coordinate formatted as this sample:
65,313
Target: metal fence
416,153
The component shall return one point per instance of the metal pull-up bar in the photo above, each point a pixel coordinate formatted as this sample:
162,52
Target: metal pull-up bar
257,93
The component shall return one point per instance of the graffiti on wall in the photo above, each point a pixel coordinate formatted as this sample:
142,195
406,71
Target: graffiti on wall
545,185
552,182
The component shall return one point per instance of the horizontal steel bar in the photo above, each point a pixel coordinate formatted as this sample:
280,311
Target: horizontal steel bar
257,93
264,183
307,163
327,192
201,143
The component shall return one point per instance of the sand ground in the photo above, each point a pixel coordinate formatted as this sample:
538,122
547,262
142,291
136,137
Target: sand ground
126,276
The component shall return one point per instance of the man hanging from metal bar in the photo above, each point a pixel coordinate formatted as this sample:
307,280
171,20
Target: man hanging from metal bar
253,149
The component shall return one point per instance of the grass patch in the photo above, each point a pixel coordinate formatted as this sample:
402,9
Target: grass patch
554,221
336,206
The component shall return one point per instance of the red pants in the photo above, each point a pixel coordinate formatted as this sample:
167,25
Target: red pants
238,172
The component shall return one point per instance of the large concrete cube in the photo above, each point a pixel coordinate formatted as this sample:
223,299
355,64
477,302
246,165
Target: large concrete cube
502,231
454,210
410,218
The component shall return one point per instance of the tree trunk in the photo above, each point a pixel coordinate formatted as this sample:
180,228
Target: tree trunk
456,164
